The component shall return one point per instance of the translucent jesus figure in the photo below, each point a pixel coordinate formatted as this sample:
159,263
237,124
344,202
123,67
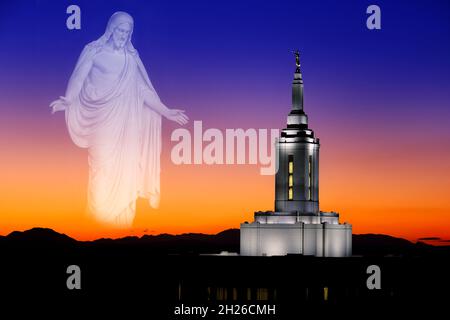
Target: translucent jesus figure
112,109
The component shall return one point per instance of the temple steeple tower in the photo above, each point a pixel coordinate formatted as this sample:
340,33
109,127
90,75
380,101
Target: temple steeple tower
296,225
297,178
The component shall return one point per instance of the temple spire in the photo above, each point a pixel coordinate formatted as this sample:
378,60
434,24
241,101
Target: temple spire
297,117
297,85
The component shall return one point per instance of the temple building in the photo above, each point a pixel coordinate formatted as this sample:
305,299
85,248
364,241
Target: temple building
297,226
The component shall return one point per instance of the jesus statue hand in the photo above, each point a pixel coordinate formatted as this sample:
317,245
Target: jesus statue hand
59,105
176,115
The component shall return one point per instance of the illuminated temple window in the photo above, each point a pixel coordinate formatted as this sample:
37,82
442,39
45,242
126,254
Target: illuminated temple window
310,178
291,177
262,294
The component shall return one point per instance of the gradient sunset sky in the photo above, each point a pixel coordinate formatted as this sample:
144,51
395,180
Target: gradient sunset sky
378,100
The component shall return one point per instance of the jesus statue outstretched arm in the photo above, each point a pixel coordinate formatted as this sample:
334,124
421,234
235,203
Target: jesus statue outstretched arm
76,80
152,101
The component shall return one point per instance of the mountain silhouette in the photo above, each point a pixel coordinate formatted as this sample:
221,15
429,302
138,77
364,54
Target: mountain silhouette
38,237
198,243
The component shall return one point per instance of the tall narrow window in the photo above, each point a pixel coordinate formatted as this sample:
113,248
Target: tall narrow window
310,178
290,177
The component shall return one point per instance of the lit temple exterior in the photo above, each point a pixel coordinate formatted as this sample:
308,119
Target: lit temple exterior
297,226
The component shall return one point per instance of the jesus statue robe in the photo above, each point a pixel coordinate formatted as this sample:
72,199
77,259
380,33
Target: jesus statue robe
122,134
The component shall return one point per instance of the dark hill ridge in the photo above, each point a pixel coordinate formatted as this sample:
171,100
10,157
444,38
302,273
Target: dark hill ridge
38,237
227,240
39,234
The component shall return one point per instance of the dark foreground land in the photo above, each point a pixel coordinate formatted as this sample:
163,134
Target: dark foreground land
158,276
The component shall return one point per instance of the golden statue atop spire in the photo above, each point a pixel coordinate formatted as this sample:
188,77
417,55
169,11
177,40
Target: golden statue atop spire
297,61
